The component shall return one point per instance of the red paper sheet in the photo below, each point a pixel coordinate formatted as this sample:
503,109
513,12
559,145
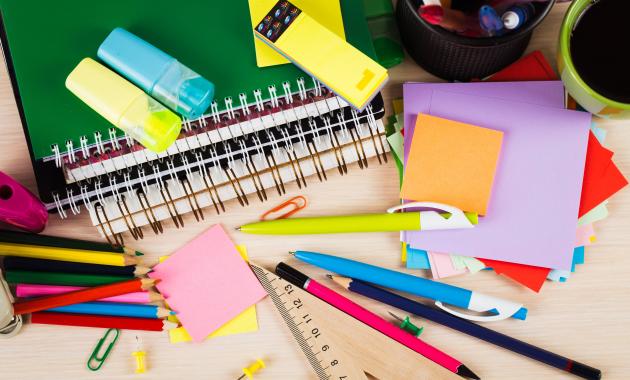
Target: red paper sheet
528,275
602,178
531,67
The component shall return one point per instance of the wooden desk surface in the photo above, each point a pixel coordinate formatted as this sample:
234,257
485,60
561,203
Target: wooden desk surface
583,319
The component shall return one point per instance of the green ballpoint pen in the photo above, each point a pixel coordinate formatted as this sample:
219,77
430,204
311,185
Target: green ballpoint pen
448,217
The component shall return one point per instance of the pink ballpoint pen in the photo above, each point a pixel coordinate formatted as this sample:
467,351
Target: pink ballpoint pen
347,306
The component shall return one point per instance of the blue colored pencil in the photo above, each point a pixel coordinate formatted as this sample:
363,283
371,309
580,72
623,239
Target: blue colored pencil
467,327
115,309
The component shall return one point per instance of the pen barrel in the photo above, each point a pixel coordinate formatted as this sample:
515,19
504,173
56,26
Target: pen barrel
445,319
337,224
384,327
404,282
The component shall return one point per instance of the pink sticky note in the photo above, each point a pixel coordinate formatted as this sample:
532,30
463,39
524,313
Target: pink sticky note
207,283
584,235
442,265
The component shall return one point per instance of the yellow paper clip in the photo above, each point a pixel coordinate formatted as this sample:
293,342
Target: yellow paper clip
294,205
250,370
97,359
140,355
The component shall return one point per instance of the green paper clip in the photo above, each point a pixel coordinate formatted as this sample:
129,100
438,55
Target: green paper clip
96,357
406,325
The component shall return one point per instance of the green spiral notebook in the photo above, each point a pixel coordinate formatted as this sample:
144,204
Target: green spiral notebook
45,40
268,126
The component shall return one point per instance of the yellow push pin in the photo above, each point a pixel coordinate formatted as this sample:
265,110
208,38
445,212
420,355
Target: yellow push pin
140,356
250,370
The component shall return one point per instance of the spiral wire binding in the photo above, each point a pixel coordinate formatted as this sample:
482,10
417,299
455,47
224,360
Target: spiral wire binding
224,146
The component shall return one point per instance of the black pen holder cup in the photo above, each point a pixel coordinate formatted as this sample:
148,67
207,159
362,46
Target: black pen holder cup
451,56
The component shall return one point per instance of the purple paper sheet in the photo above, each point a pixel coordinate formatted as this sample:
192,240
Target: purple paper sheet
534,206
417,97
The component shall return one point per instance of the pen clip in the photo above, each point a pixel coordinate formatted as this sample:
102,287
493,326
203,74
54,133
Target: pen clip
483,303
432,220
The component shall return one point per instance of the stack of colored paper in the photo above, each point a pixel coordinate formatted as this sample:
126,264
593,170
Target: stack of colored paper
551,170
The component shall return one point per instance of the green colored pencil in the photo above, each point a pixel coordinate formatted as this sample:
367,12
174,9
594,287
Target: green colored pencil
56,278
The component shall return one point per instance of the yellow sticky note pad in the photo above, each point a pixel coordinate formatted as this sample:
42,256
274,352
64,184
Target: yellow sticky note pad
321,53
245,322
326,12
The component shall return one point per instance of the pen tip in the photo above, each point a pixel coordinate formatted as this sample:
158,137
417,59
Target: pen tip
238,228
292,253
463,371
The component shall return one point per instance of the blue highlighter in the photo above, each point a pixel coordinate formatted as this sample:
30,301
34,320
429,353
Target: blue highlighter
157,73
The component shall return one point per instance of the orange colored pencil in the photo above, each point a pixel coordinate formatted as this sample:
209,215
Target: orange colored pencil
83,295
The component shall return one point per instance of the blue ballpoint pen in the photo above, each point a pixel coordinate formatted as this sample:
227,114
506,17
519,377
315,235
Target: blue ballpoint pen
437,291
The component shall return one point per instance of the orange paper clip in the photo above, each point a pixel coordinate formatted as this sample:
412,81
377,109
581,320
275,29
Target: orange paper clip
294,205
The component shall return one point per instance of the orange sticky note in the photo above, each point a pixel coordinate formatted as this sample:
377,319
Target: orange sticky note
452,162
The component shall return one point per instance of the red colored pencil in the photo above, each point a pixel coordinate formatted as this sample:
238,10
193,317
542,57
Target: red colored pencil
87,320
83,295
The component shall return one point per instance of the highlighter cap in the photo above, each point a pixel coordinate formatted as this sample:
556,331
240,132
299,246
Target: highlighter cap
124,105
157,73
135,59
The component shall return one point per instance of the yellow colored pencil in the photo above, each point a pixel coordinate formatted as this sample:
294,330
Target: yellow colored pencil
67,254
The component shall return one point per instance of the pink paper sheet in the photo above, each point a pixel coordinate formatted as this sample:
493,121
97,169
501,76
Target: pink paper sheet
584,235
207,283
442,265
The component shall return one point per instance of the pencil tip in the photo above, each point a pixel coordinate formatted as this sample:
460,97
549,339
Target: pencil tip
329,276
292,253
237,228
463,371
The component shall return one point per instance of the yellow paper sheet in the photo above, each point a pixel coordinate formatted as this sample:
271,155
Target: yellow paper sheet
398,106
403,255
247,321
326,12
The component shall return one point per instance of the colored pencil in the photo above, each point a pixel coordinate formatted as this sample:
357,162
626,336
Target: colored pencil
468,327
87,320
66,254
44,265
37,290
61,242
83,295
394,332
55,278
115,309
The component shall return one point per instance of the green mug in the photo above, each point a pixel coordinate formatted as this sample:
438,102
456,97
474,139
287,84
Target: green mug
583,94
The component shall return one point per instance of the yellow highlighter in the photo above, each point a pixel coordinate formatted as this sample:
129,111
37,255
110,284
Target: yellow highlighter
124,105
321,53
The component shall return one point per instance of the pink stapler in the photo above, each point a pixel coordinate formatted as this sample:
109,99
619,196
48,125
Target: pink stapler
19,207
